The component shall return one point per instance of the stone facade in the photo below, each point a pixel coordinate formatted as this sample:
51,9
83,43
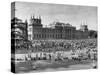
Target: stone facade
57,30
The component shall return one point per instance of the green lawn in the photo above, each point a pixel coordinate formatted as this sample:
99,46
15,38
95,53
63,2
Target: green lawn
42,65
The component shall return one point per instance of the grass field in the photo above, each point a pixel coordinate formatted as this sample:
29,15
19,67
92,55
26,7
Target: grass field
46,65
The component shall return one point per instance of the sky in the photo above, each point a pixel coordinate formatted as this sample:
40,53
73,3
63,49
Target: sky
74,14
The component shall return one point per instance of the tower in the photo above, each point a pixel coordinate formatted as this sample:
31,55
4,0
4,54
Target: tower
35,27
84,27
35,21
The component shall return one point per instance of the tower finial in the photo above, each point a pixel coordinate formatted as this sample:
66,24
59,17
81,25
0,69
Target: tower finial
26,21
39,17
33,16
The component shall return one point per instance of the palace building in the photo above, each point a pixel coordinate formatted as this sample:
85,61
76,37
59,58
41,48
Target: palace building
57,30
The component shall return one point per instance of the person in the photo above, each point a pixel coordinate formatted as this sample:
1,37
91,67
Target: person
94,64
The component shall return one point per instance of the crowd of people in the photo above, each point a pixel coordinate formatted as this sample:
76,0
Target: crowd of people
63,49
63,45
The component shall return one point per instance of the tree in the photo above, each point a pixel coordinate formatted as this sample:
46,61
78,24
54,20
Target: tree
19,34
92,34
